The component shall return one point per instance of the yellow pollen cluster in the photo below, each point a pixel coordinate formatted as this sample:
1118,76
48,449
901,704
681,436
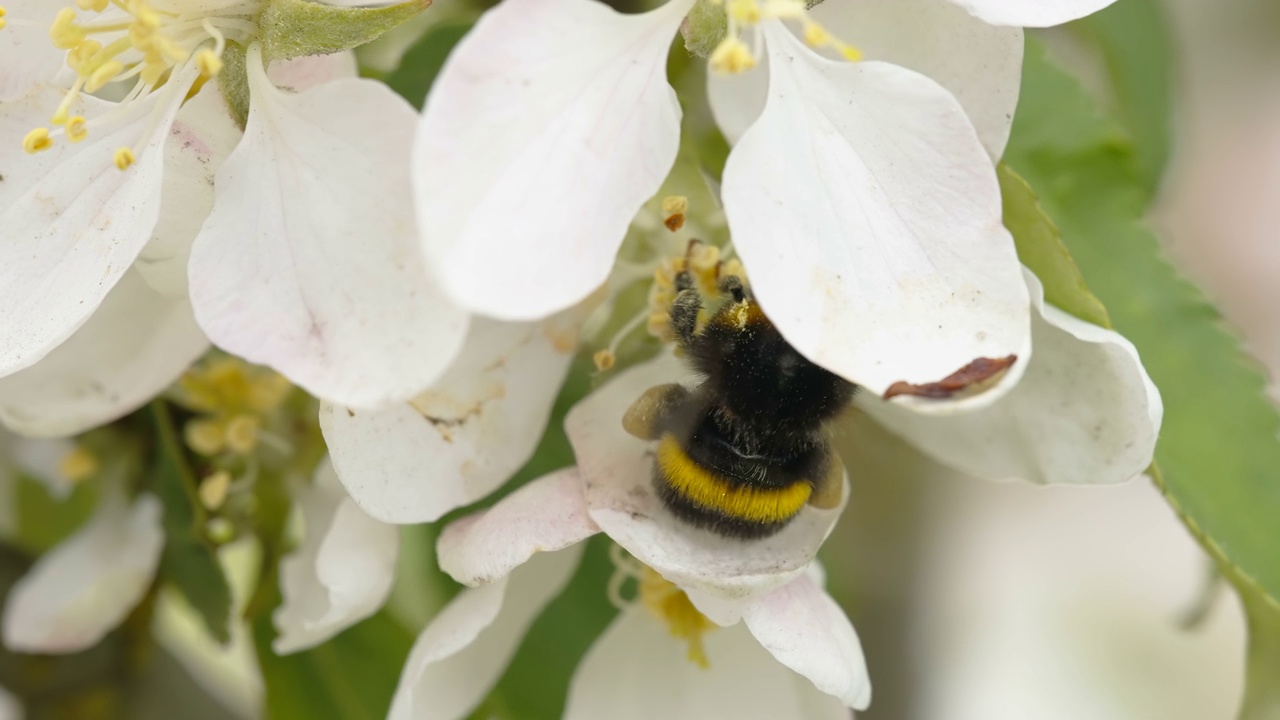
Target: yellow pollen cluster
672,607
78,465
233,399
3,22
144,45
734,55
706,265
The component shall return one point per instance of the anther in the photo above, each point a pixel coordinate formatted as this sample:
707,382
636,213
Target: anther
76,129
209,62
103,75
37,140
604,360
214,488
674,208
746,12
124,158
732,56
64,33
94,5
242,433
2,14
78,465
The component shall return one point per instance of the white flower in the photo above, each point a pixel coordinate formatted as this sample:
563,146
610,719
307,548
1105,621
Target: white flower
88,584
342,572
861,200
463,437
465,649
303,257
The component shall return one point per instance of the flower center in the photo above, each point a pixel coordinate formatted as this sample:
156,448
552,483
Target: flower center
145,43
735,55
232,400
664,600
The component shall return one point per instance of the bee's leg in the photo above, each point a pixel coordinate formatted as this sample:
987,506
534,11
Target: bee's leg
828,490
731,285
648,414
684,310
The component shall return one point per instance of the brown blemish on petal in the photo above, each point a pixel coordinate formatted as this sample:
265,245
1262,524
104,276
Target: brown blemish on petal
974,376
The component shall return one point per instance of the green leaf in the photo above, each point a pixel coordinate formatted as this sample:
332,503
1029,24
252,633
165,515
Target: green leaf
351,677
1262,684
189,563
422,62
1040,248
44,521
1134,40
1218,448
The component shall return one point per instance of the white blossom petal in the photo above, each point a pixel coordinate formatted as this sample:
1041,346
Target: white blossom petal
980,64
308,262
84,587
637,670
460,440
202,137
27,57
545,515
1031,13
341,574
467,647
618,471
73,222
806,630
868,215
1084,412
136,345
534,154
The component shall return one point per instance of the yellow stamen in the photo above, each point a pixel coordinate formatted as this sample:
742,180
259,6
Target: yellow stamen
671,606
78,465
37,140
206,437
64,33
242,433
850,53
746,12
674,208
103,75
76,130
732,56
604,360
124,158
94,5
214,489
816,36
209,62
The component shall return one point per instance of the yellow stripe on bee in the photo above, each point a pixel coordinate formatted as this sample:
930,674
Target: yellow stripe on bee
711,491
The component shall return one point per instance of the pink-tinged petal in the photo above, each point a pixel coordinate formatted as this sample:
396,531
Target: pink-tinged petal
980,64
868,216
137,344
459,657
546,515
342,572
309,262
304,73
1084,412
84,587
458,441
534,154
27,57
618,471
73,222
806,630
202,137
1031,13
637,670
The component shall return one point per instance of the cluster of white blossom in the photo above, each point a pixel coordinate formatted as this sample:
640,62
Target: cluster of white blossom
176,178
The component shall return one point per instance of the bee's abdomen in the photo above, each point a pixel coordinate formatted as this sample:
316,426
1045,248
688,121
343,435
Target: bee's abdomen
728,505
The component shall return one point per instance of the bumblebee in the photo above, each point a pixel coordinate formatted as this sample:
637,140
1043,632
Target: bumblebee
744,451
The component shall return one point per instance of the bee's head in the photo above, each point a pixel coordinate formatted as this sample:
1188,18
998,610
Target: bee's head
757,374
